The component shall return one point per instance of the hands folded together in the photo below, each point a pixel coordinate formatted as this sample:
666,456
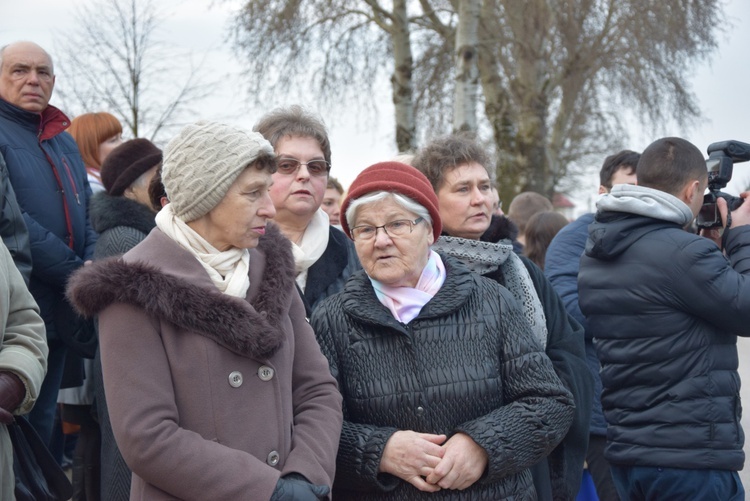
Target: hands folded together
430,462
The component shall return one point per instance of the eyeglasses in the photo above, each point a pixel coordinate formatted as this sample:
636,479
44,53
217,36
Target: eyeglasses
397,228
289,166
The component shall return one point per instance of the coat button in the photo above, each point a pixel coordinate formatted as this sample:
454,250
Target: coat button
265,373
235,379
420,410
273,458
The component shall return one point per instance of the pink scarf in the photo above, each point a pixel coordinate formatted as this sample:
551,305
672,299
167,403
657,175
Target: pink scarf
405,303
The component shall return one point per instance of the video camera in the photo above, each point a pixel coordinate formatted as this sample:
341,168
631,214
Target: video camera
721,158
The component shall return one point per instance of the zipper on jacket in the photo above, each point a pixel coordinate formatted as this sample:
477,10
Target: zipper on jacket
72,182
66,210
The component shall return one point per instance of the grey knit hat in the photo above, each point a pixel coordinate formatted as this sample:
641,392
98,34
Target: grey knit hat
202,162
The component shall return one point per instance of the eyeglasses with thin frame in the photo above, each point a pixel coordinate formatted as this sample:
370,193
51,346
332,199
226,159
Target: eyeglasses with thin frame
397,228
289,166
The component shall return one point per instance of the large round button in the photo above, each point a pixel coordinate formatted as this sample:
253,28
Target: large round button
420,410
265,373
273,458
235,379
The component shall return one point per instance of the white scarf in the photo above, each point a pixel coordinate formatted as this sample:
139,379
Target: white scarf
228,269
311,247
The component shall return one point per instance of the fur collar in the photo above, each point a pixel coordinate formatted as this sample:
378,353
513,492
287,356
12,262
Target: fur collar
231,322
500,228
108,212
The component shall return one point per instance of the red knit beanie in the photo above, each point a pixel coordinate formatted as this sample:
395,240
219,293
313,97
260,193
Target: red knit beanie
398,178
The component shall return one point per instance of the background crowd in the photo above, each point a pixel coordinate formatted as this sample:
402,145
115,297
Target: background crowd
262,332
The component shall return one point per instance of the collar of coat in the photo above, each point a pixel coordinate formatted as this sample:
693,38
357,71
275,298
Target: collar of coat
250,328
360,301
47,124
107,212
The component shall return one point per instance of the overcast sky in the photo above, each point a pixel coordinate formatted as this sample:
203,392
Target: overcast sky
721,86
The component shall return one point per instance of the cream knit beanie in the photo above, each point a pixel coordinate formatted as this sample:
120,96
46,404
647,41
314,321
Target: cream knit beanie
202,162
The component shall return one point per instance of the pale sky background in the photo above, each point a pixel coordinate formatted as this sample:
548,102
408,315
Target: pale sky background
202,26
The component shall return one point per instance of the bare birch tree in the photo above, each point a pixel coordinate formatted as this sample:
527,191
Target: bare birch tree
335,50
112,60
555,76
467,69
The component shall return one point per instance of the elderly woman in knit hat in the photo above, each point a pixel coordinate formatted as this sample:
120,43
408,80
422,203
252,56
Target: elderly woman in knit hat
215,384
444,387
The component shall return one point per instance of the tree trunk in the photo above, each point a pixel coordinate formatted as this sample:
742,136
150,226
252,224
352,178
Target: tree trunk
401,81
467,72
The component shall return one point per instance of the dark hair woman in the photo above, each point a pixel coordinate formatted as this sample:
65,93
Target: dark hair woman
445,388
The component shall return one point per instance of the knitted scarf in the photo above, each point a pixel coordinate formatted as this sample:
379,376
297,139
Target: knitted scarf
485,257
228,269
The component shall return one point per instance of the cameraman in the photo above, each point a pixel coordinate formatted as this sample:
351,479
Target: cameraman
665,307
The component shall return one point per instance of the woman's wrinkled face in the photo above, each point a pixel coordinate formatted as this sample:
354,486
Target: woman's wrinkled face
298,195
239,220
465,201
397,261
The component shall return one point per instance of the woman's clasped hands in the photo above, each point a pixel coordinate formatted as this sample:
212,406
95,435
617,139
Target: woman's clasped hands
430,462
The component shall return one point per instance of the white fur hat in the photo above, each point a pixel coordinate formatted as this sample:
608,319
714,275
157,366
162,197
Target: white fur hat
202,162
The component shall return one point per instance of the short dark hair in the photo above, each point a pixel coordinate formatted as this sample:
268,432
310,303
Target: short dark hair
669,163
156,191
625,159
448,152
294,121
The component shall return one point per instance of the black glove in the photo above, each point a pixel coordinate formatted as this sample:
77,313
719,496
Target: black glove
12,392
295,487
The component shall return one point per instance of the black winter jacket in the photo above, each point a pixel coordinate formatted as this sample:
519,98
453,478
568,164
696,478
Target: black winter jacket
467,363
559,477
13,230
665,307
328,274
122,224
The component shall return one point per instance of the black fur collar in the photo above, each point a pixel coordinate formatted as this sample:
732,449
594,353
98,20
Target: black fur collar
500,228
227,320
107,212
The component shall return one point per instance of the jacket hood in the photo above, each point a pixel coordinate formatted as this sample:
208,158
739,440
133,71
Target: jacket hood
627,213
248,329
107,212
647,202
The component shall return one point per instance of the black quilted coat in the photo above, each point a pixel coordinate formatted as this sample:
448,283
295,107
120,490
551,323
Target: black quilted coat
468,363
